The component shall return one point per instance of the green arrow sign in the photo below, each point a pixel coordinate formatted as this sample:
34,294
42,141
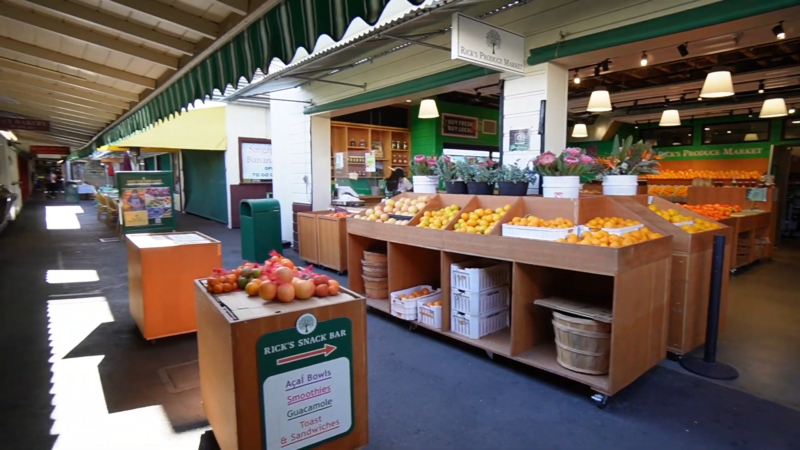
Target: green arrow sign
306,379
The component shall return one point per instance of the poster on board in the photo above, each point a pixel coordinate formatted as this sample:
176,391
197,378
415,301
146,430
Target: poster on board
145,201
255,160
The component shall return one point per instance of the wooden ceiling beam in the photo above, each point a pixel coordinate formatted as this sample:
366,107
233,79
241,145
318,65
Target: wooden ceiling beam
58,88
92,17
45,113
234,6
90,105
64,108
59,58
750,54
27,70
84,35
73,128
172,15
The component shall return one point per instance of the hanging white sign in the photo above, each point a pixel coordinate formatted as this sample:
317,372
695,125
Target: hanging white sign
486,45
256,160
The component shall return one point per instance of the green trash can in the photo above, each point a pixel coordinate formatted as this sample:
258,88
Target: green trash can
71,192
261,228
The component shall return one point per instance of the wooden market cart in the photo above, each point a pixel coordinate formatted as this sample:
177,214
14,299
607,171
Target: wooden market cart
323,240
633,281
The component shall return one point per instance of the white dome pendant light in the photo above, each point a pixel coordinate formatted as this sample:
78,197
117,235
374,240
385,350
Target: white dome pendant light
670,118
580,131
773,107
428,109
600,101
718,84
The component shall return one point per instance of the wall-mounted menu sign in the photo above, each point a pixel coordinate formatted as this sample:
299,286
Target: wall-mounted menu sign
460,126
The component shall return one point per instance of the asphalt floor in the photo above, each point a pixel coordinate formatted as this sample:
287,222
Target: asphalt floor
77,374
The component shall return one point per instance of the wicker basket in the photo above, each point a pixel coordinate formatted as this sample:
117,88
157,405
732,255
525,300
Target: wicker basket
376,287
583,345
372,257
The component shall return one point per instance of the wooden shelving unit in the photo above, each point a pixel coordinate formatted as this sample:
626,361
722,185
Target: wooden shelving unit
631,281
323,240
343,135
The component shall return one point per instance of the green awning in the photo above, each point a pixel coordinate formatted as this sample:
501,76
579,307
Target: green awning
277,34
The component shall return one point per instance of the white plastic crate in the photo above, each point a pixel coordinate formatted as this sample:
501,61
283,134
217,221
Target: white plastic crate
430,315
477,303
478,275
476,327
538,233
406,309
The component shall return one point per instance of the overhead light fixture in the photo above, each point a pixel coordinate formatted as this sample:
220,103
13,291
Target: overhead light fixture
683,49
576,79
604,65
791,109
749,113
718,84
699,99
636,125
9,135
580,131
707,129
773,107
600,101
670,118
749,137
408,101
643,62
778,31
428,110
597,70
761,87
729,131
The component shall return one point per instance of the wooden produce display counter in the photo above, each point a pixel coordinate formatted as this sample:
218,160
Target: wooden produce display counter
754,230
323,239
690,277
283,375
161,268
631,282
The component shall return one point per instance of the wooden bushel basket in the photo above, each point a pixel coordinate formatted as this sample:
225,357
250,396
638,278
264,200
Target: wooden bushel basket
372,257
376,287
582,345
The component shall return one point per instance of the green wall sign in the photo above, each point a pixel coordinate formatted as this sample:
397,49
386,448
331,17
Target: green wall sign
145,201
732,151
305,375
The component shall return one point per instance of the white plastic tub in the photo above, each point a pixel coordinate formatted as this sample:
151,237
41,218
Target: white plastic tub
424,184
478,275
477,303
430,315
561,187
620,184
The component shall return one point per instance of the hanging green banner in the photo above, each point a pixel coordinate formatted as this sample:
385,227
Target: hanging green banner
145,201
306,379
730,151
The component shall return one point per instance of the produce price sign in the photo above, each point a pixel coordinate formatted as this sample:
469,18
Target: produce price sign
306,383
461,126
256,160
145,201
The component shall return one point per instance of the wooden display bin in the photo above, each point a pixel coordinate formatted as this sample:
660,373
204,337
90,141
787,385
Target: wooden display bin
308,236
632,282
255,356
690,280
161,268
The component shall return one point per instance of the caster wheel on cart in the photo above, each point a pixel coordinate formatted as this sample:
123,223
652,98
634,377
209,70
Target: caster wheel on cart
600,400
490,354
674,356
412,327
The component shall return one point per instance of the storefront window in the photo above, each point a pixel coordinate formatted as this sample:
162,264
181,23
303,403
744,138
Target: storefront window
667,136
736,132
791,128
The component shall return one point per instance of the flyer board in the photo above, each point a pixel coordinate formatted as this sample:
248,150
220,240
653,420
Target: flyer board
145,201
306,383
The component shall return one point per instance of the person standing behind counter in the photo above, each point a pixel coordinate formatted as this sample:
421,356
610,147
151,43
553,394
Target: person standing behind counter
397,182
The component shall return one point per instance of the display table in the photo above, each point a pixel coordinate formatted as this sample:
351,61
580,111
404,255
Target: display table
291,374
323,239
632,282
161,269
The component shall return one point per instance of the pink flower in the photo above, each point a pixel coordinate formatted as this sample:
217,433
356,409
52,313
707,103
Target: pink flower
547,159
574,151
586,159
446,158
419,158
490,162
571,160
432,161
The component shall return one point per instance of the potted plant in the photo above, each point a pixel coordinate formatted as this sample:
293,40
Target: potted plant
479,177
561,174
447,172
511,180
425,180
622,168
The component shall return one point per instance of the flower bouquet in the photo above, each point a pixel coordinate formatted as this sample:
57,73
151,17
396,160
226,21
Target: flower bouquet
561,174
622,168
424,170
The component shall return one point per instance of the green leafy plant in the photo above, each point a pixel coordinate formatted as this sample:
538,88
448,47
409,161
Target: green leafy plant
446,169
628,158
573,161
513,174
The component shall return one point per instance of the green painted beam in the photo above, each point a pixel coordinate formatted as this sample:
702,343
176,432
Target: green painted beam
704,16
410,87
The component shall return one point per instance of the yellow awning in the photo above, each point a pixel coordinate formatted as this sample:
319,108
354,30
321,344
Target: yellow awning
198,129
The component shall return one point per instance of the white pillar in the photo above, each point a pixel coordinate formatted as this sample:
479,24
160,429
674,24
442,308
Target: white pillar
321,162
522,96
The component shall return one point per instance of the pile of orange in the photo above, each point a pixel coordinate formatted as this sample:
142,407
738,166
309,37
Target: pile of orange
714,211
691,174
669,214
699,226
669,191
415,294
611,222
480,221
605,239
533,221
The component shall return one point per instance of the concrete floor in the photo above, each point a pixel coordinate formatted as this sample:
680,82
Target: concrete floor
76,374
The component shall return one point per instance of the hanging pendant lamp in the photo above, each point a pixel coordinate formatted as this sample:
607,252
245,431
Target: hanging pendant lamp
600,101
580,131
718,84
750,137
428,110
670,118
773,107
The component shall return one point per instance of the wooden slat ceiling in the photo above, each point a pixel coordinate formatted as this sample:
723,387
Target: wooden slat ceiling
82,63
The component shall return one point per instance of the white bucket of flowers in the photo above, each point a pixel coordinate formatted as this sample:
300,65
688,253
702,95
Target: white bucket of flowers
561,174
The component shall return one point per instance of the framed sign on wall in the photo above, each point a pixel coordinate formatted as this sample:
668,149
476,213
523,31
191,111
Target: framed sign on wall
255,160
460,126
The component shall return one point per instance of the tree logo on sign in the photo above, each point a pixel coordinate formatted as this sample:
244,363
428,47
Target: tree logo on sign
306,324
494,40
